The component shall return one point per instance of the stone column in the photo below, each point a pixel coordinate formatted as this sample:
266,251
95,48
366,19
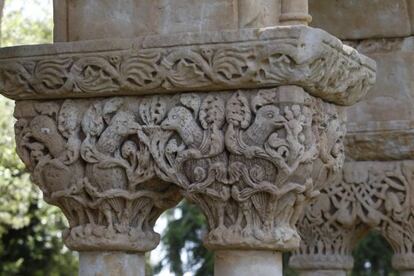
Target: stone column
112,264
379,143
295,12
248,262
245,123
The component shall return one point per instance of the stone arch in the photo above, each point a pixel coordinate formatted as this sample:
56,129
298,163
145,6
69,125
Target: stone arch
368,196
381,250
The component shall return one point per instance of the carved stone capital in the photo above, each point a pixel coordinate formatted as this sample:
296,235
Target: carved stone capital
369,195
253,161
249,159
329,230
251,144
390,206
87,160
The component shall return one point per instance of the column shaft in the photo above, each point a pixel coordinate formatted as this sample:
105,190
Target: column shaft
295,12
111,264
247,263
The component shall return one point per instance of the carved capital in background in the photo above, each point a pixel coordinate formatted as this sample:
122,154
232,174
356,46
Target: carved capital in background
249,159
329,230
370,195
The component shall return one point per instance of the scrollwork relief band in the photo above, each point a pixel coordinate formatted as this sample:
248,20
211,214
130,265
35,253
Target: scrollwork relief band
369,195
301,56
250,159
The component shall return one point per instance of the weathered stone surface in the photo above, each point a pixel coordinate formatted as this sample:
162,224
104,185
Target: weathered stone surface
126,19
376,194
250,132
259,13
380,140
301,56
370,195
85,158
362,19
381,126
295,12
247,263
250,159
111,264
391,97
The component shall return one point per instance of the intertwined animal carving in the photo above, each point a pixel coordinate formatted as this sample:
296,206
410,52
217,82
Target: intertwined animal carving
249,159
368,195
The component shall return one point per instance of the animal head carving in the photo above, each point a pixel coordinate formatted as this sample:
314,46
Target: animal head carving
178,118
270,114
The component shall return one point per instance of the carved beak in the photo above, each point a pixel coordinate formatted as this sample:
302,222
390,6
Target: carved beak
279,122
166,125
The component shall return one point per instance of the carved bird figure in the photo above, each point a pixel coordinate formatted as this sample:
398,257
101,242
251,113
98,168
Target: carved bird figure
244,137
246,140
267,121
121,123
181,120
204,140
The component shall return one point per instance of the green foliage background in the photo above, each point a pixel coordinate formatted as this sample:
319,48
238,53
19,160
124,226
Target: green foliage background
30,230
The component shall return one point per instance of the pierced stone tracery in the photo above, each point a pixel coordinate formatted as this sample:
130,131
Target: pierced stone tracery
369,195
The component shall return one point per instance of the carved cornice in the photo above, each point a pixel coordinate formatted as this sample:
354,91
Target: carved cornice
227,60
370,195
249,159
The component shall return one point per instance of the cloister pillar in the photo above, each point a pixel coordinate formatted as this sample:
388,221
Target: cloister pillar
375,191
145,102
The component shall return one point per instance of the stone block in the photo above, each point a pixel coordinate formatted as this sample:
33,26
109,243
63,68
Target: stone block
360,19
92,19
392,96
381,126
